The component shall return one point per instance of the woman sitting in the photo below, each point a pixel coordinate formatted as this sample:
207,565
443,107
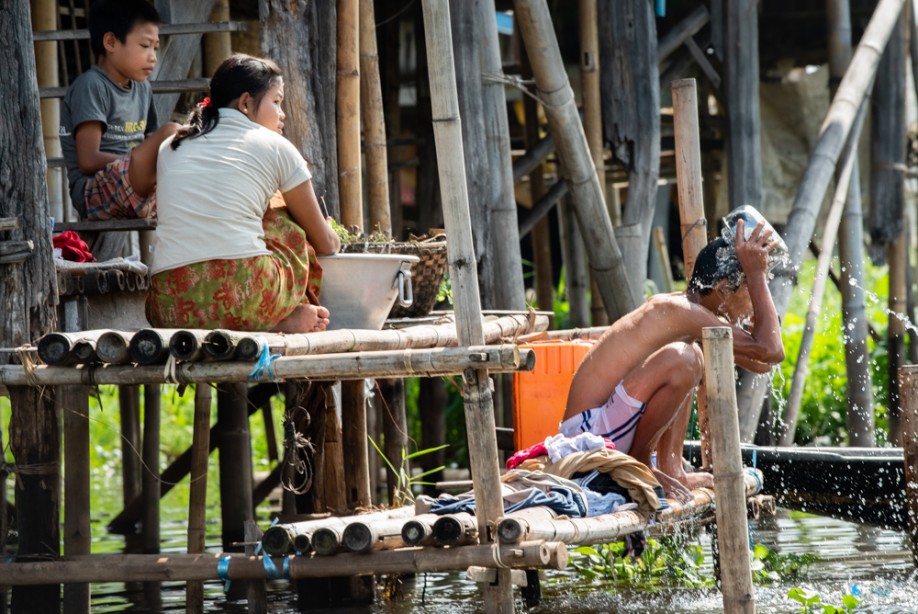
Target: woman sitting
239,223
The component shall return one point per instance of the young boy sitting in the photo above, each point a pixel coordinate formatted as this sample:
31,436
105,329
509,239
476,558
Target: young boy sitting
636,385
109,129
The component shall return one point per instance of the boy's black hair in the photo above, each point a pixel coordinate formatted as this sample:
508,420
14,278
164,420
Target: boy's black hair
716,261
118,17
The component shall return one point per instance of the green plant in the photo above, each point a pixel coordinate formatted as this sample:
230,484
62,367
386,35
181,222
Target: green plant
812,603
403,493
669,561
769,566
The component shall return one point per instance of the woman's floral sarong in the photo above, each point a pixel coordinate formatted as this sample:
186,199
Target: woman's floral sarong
250,294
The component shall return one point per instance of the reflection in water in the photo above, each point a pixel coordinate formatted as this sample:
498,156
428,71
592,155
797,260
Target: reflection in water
878,561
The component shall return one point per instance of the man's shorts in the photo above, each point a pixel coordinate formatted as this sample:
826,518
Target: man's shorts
109,195
617,420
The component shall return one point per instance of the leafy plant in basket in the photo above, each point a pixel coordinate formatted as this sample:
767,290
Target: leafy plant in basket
427,274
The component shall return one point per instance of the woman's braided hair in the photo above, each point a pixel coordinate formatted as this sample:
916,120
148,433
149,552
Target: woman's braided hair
238,74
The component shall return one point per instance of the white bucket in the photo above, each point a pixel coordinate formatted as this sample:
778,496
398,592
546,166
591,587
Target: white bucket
359,289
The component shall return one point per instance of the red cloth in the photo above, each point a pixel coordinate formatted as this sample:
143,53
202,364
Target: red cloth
531,452
72,247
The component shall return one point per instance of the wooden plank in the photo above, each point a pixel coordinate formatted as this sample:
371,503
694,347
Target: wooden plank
166,29
106,225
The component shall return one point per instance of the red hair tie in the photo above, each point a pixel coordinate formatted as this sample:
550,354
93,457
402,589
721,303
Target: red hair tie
204,103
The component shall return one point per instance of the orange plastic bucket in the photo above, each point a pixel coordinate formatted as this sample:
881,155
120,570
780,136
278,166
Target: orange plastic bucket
539,396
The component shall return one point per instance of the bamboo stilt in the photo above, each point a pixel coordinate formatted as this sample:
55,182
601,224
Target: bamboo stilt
151,474
589,82
236,505
908,388
688,172
217,45
819,172
395,433
354,440
732,530
201,567
77,532
197,511
896,333
659,244
829,232
348,114
371,111
564,121
129,406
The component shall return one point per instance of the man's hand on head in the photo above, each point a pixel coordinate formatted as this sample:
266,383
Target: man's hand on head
752,253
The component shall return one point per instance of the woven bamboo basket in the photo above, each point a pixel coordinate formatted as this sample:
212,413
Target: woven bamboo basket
426,274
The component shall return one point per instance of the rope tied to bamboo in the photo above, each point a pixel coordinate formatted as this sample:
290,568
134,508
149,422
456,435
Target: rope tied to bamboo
169,370
495,556
687,228
514,81
36,469
28,365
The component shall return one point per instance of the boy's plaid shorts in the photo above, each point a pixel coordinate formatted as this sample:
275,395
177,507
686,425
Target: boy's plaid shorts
110,196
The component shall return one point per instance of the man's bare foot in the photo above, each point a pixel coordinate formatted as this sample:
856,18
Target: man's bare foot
700,479
304,319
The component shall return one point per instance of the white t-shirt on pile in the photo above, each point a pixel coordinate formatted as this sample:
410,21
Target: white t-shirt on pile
213,191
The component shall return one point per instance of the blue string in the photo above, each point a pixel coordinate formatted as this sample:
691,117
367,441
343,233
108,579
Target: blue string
271,568
661,8
755,458
264,366
223,572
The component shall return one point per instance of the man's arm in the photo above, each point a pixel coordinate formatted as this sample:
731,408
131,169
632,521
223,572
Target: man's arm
761,347
88,139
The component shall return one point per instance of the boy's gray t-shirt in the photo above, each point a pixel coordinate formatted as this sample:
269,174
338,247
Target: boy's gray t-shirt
127,116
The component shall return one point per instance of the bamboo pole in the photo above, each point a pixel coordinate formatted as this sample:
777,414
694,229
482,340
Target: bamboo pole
818,174
659,244
354,365
688,172
478,402
77,529
250,345
278,540
217,45
455,530
860,418
236,482
44,18
374,126
150,483
508,291
564,122
57,348
829,232
188,344
129,410
197,495
201,567
222,344
896,332
732,530
354,439
151,345
348,114
908,387
383,534
589,83
112,347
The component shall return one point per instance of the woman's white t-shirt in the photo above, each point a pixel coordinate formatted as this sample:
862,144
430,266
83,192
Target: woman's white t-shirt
213,191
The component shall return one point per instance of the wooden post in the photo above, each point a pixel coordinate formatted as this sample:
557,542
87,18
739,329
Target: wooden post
217,45
395,430
819,172
741,84
374,126
694,228
829,231
347,86
197,492
541,232
150,482
301,39
896,332
631,103
577,165
730,511
479,408
236,482
74,401
576,276
44,17
504,245
27,293
354,440
129,406
908,388
589,83
860,418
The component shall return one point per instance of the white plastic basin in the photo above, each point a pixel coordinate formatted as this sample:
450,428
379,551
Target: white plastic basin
359,290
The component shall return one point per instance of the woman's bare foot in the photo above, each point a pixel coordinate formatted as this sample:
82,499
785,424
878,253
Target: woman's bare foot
304,319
